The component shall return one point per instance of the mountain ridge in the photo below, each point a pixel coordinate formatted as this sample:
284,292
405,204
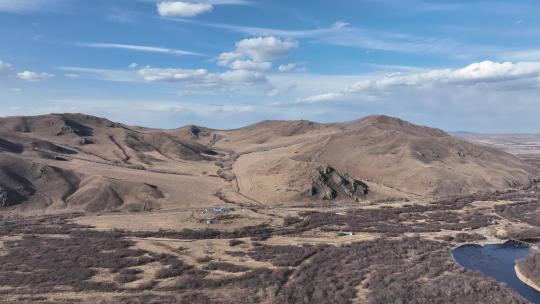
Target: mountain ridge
270,162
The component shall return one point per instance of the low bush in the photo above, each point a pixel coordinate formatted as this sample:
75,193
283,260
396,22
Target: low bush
227,267
235,242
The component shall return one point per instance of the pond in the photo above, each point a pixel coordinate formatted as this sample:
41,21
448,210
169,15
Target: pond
497,261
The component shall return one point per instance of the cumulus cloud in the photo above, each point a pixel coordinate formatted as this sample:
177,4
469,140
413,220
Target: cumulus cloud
182,9
256,53
252,57
196,78
5,68
250,65
247,65
242,77
34,76
265,49
480,72
503,74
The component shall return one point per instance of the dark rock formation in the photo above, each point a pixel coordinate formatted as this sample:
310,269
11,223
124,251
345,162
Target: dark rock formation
330,184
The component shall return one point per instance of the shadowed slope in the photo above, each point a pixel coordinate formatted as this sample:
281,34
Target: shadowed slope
39,187
102,139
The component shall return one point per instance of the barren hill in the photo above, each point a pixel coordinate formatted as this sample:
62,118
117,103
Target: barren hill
80,162
395,157
73,162
416,159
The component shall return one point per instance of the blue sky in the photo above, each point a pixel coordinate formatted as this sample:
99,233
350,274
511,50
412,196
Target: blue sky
458,65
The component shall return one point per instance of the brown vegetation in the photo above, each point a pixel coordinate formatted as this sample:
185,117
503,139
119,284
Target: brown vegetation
530,267
390,250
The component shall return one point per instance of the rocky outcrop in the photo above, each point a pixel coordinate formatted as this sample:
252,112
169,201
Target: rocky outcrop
329,184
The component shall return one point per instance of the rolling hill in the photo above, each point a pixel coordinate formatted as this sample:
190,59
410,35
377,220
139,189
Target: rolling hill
60,162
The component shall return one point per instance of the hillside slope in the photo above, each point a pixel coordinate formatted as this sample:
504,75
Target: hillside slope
68,162
77,162
396,158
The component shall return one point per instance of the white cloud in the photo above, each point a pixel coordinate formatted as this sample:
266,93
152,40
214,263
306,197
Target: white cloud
251,58
223,2
503,76
287,67
214,2
34,76
480,72
256,54
339,24
21,6
5,68
201,77
172,75
197,78
292,67
242,77
321,98
261,31
343,34
72,75
250,65
265,49
182,9
139,48
201,109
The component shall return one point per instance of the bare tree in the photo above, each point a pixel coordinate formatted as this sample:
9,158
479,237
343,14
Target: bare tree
3,198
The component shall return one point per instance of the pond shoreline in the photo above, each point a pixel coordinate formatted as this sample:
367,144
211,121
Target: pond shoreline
523,278
497,260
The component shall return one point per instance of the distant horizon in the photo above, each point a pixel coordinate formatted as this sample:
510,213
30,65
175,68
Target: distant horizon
450,132
450,64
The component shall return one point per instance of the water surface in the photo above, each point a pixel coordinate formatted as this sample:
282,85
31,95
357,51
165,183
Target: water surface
497,261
